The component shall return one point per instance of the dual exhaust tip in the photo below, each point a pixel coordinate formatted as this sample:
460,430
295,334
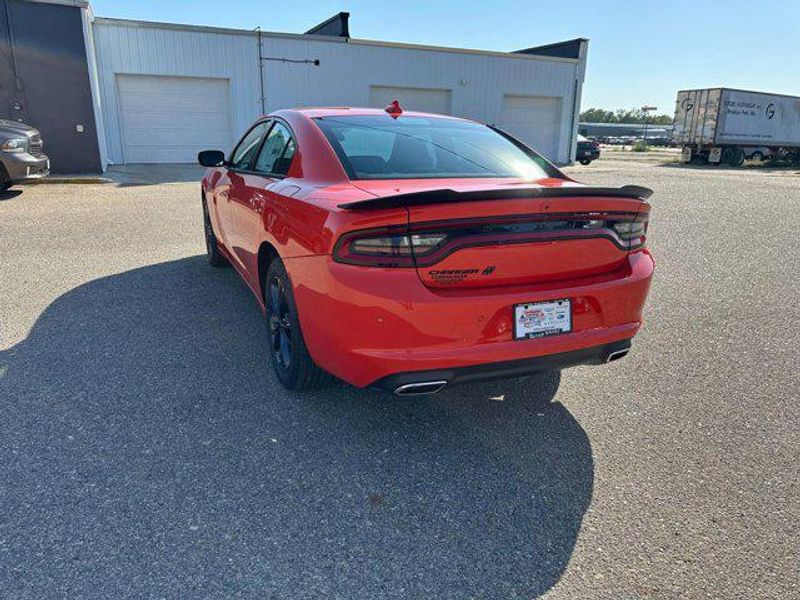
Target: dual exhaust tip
424,388
617,354
420,388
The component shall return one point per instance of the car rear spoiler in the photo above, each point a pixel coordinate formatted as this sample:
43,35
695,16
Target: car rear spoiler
446,195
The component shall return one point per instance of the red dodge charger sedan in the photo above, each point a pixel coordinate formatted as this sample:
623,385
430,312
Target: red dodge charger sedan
410,251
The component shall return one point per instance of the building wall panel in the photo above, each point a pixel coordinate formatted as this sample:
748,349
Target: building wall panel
347,70
49,52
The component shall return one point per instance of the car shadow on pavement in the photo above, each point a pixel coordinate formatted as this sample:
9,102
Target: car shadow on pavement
9,194
146,450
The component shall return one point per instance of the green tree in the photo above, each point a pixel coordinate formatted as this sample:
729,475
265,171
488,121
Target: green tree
623,115
598,115
661,120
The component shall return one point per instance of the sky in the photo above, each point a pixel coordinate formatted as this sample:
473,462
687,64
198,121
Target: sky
639,52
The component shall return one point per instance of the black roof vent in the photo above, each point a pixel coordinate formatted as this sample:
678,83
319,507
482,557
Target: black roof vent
337,26
568,49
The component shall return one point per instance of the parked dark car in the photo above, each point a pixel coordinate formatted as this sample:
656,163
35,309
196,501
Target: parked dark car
588,150
657,140
21,155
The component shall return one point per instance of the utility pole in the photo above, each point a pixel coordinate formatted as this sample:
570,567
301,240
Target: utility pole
646,109
261,73
262,58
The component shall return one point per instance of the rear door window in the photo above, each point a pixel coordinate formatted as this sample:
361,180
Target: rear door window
277,152
242,156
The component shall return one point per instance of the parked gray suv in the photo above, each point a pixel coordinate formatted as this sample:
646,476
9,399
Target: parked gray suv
21,155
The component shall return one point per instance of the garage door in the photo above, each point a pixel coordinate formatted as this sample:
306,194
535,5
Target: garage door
534,120
420,99
170,119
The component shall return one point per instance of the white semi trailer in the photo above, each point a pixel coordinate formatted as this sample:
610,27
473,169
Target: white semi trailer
721,125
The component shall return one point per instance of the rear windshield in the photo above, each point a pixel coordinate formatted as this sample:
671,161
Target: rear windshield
380,147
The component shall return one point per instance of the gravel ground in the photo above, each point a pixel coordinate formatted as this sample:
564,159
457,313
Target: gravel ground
147,451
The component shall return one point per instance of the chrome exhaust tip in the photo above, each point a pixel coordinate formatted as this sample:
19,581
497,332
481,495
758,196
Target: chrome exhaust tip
421,388
617,354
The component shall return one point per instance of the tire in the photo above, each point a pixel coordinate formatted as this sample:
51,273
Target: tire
289,355
735,157
213,255
757,155
586,161
5,181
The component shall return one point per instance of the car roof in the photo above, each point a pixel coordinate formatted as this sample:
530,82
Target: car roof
341,111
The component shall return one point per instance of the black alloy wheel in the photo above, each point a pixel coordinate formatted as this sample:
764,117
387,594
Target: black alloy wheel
280,325
291,361
214,256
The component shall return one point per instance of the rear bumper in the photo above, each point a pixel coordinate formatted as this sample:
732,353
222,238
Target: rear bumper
24,166
366,324
401,383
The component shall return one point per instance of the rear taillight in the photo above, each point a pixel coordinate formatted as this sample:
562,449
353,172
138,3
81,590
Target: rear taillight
423,243
428,243
374,248
633,232
389,245
385,249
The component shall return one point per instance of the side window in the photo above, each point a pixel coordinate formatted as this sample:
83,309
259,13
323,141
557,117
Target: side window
244,152
277,151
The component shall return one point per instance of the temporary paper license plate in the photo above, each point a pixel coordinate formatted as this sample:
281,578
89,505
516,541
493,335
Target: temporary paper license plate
540,319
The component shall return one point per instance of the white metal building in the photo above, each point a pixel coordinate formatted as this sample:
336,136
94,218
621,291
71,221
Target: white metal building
167,91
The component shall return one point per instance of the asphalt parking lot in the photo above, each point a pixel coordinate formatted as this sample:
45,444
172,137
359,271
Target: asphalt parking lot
147,451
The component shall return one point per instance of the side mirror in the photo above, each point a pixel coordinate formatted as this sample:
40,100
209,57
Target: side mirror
211,158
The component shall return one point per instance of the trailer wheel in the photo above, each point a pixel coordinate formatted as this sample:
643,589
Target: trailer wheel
735,157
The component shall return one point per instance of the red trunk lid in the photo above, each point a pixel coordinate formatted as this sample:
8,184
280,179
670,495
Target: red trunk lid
503,242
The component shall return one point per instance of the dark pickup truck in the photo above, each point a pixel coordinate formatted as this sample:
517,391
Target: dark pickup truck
21,155
587,150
